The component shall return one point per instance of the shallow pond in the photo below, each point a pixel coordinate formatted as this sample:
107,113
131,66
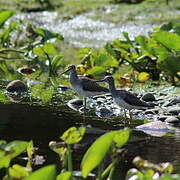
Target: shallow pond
42,124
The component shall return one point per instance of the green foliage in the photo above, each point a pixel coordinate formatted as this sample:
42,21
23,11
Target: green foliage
46,35
18,172
156,53
45,173
98,150
10,151
148,170
73,135
64,176
4,16
44,94
109,142
47,51
168,39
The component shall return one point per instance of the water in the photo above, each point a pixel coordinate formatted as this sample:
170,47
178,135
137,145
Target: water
82,31
43,124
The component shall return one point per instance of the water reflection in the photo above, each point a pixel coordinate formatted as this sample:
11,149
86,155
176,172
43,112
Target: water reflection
43,124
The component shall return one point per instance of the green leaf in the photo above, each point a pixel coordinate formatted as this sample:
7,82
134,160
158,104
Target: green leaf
30,149
143,42
39,51
46,34
126,35
64,176
49,49
168,39
73,135
4,16
10,151
15,148
169,64
97,71
96,153
104,59
18,172
45,173
121,137
57,62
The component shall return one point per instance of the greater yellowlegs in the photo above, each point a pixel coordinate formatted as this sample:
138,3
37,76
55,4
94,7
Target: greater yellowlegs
123,98
83,85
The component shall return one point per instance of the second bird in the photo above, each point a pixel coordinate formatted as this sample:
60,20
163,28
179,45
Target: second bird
123,98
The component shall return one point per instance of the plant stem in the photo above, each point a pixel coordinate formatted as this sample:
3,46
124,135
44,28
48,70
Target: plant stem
50,66
106,171
69,158
111,171
99,174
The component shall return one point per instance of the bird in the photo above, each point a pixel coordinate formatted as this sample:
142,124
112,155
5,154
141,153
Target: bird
84,86
123,98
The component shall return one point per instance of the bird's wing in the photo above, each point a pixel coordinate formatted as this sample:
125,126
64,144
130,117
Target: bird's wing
90,85
132,99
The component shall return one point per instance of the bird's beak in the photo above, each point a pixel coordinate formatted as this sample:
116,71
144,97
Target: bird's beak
64,72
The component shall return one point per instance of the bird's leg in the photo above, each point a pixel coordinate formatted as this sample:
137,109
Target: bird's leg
83,109
130,114
125,113
84,102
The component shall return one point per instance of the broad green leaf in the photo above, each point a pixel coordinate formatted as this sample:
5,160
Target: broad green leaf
30,149
18,172
41,32
49,49
121,137
15,148
97,71
111,50
4,16
96,153
73,135
39,51
10,151
83,52
4,161
46,34
7,31
45,173
126,35
64,176
104,59
143,42
170,64
57,61
168,39
122,46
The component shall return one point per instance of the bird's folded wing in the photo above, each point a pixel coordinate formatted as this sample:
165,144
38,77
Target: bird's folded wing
90,85
132,99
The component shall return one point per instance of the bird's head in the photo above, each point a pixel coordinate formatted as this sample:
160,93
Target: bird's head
107,79
70,68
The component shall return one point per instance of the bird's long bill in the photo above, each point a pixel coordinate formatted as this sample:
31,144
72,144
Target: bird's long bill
64,72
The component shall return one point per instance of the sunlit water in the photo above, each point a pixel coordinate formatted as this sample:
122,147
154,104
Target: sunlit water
82,31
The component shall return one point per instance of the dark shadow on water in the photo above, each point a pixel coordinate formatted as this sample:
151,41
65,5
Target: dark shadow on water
44,124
